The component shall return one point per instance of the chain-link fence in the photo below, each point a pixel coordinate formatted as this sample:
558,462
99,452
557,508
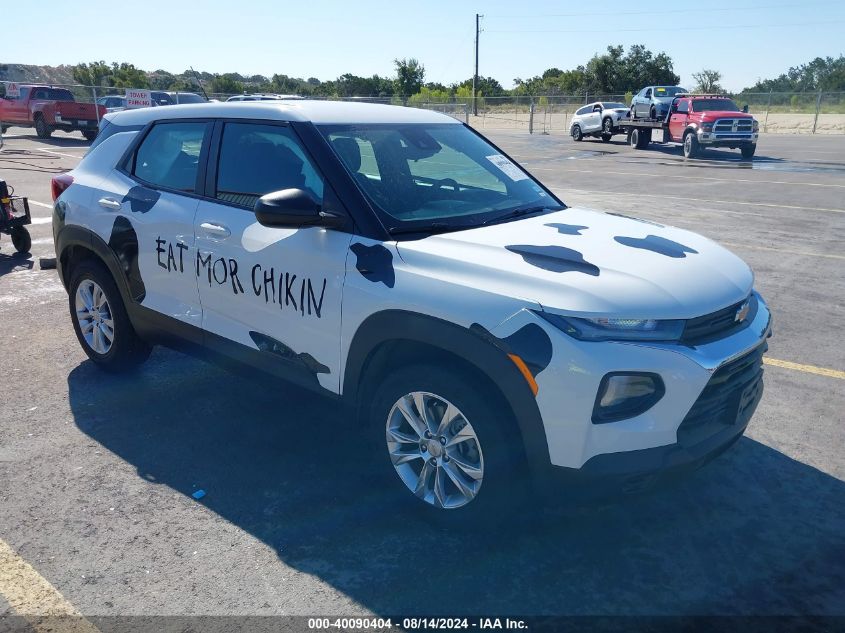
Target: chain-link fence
777,112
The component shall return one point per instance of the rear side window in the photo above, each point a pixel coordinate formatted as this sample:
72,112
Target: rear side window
169,155
584,110
257,159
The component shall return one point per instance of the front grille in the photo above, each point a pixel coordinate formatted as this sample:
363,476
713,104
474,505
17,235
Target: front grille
719,324
729,399
727,126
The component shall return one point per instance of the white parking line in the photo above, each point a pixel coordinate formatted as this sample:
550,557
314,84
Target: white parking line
42,220
49,151
40,204
637,173
770,205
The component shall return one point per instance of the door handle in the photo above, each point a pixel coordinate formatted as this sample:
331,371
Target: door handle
217,230
109,203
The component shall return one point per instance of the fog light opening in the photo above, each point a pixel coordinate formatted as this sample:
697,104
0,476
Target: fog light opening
623,395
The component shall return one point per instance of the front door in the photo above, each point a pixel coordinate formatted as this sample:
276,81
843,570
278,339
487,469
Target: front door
678,120
272,295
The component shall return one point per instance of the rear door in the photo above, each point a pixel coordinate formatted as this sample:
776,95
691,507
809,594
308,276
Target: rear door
271,296
145,212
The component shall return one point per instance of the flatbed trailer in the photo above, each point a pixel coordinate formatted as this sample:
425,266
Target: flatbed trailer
641,132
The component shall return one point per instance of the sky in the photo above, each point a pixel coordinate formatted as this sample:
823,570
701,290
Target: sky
745,40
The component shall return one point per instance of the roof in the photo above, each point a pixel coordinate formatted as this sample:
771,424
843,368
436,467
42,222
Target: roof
319,112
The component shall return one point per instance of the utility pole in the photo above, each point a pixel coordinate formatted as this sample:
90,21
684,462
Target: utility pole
475,76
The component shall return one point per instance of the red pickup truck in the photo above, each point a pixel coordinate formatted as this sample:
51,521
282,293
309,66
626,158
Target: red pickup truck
695,122
49,109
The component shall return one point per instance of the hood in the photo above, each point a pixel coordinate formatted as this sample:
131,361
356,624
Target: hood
588,263
723,114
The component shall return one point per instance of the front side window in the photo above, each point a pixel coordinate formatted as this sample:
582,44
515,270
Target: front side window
169,155
257,159
683,106
424,177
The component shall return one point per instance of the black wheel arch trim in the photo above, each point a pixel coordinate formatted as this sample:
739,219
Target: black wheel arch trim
400,325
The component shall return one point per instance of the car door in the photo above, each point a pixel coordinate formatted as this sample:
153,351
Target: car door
17,108
678,120
269,294
146,210
644,103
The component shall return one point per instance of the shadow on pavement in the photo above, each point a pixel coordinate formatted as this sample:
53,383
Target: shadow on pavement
14,262
755,532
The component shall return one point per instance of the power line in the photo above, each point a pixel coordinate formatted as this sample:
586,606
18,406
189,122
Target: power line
671,28
651,12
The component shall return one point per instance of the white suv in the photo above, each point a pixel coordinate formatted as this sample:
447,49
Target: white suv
396,260
599,119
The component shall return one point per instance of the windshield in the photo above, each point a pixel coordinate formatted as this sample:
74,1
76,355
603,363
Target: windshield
668,91
434,176
714,105
613,106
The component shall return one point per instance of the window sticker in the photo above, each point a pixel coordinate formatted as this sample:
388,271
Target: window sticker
510,170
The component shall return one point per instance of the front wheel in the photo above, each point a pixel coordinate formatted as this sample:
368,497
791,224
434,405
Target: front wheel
100,319
748,150
577,134
448,450
691,145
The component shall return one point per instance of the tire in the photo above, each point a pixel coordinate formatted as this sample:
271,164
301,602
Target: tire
607,127
21,239
606,137
3,129
577,135
89,135
126,350
691,147
41,128
492,449
639,139
748,151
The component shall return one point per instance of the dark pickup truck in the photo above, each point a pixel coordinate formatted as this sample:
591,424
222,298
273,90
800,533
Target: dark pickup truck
49,109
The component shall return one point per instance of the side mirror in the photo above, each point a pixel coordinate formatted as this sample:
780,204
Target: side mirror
674,107
745,108
293,208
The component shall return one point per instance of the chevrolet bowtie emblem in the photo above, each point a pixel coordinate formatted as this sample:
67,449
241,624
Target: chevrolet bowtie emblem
742,312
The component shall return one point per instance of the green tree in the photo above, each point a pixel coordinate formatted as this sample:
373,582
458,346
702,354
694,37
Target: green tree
127,76
707,81
93,74
226,83
409,77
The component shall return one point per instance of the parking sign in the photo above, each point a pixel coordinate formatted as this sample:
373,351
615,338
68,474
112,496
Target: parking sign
138,99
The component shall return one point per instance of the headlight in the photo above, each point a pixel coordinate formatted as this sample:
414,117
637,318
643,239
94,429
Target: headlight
756,125
613,329
707,127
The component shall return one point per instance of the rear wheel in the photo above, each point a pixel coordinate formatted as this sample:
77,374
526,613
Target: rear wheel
748,150
21,239
100,319
447,449
89,135
577,134
41,128
691,146
639,139
652,113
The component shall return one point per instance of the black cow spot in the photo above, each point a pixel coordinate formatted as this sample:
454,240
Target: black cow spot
375,263
556,259
631,217
124,243
269,344
530,343
568,229
141,199
657,244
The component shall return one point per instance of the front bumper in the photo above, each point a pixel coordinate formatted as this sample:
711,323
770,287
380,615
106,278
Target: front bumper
738,139
690,424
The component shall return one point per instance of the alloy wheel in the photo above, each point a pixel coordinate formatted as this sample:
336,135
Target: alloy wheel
94,316
434,450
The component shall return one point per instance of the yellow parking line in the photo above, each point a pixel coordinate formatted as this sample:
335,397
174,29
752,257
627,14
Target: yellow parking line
32,597
810,369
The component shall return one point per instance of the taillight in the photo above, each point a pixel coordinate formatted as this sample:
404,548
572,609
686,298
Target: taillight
59,184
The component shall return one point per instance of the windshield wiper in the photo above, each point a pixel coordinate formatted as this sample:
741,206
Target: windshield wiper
434,227
520,212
